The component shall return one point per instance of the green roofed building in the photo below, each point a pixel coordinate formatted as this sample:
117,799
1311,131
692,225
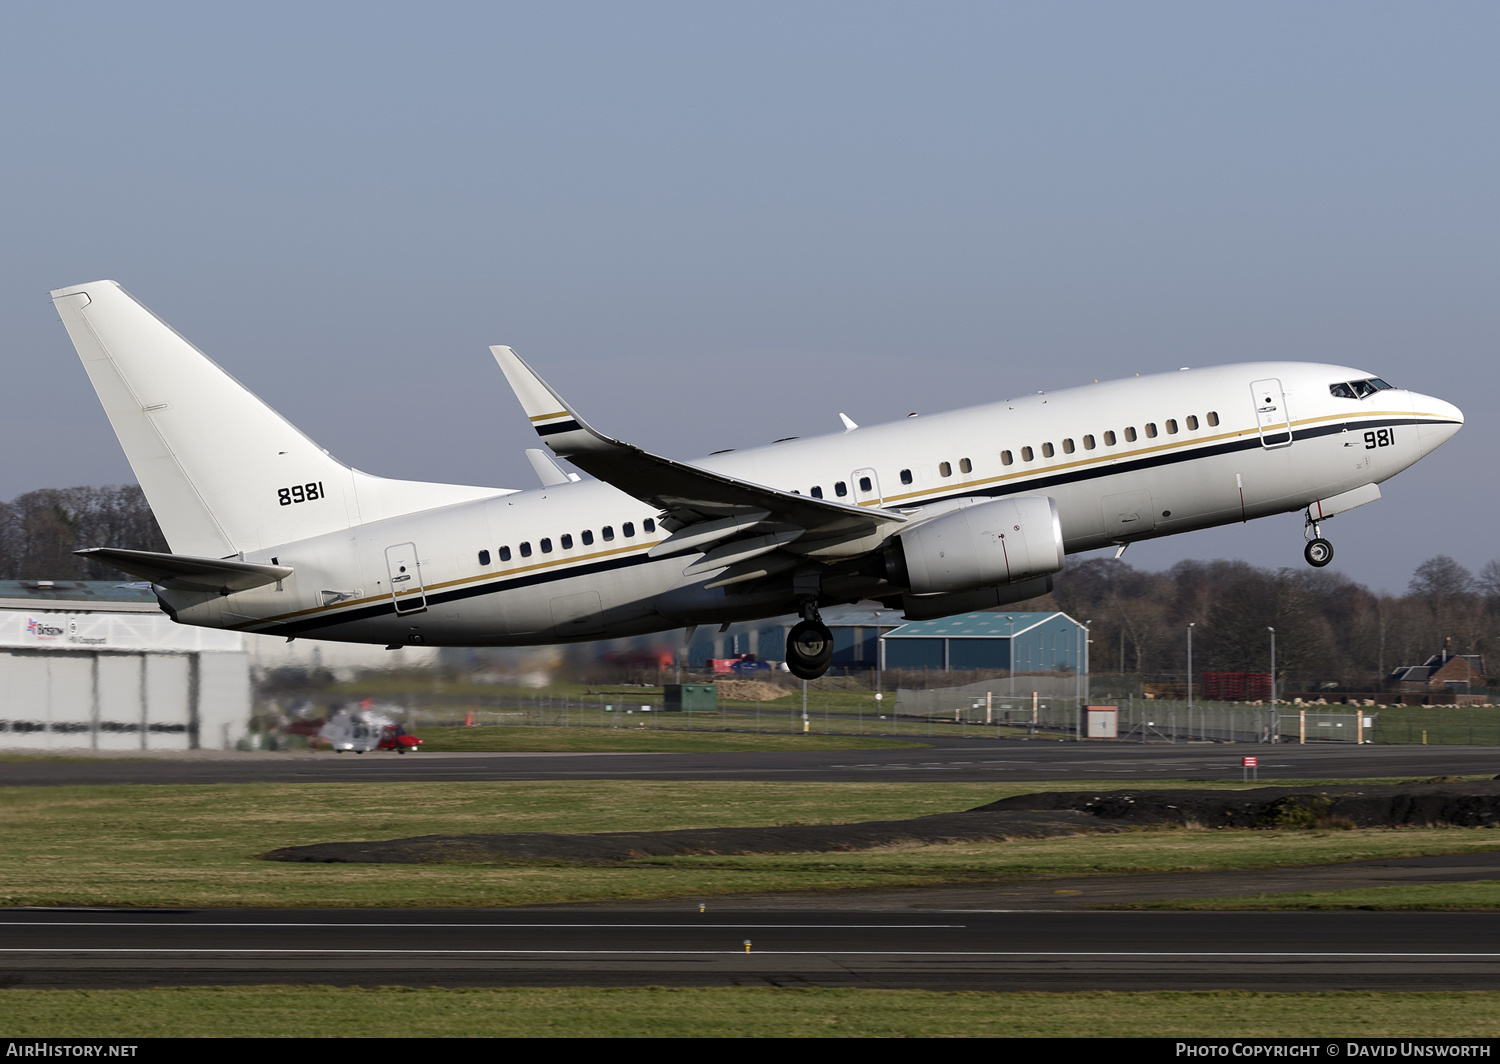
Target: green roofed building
1019,642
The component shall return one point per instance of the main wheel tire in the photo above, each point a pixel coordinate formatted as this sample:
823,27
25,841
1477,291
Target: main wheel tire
809,649
1318,552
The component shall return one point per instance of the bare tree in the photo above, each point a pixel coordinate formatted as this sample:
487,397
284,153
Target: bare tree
40,530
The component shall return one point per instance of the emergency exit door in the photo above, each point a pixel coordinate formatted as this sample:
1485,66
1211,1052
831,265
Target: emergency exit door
406,578
1271,414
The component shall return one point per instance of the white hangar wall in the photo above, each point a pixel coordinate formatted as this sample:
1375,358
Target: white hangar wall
117,675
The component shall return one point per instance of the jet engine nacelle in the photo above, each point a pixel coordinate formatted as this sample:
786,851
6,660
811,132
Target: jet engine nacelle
987,544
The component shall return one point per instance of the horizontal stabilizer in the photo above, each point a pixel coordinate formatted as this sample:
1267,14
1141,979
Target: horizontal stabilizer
178,572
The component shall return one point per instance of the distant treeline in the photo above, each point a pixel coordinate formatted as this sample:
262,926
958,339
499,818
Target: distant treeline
39,531
1329,629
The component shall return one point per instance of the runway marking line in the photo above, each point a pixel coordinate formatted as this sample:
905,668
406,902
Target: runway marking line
367,926
735,952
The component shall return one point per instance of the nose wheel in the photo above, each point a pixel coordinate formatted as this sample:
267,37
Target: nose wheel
1318,552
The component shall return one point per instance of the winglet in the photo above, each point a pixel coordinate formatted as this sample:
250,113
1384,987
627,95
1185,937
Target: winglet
548,471
555,422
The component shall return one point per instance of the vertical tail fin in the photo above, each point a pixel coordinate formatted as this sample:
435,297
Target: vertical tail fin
223,472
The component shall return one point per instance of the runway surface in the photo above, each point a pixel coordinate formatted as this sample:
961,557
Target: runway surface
956,950
968,760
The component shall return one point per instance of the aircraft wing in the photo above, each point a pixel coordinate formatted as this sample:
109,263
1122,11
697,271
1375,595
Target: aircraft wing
687,495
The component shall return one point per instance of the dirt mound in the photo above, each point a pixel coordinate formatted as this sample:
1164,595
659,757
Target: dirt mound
1048,814
628,845
1407,805
750,690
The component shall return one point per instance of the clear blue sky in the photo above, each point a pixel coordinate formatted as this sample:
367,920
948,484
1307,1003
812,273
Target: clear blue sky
715,224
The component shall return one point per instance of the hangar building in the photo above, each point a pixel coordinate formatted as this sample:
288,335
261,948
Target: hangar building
92,665
1034,642
867,636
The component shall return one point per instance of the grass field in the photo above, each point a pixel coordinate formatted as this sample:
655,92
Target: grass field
197,845
737,1012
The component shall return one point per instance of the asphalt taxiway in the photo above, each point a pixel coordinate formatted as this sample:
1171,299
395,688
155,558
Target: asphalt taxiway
952,950
954,759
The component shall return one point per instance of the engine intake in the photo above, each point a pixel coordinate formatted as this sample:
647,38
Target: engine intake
987,544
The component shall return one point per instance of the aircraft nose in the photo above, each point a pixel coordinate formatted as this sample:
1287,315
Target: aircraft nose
1439,420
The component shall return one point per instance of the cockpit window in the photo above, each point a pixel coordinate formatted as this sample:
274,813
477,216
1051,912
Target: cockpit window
1358,389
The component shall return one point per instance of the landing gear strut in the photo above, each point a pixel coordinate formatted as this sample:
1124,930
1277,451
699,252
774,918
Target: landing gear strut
1318,552
809,645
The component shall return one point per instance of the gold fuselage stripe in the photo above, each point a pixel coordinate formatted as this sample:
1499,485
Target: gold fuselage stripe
506,574
1031,471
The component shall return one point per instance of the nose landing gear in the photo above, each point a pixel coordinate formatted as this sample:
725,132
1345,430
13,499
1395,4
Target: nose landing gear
1318,552
809,645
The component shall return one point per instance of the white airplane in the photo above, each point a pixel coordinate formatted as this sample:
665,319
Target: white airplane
935,515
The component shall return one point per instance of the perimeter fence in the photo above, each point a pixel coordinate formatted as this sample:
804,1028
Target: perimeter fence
1045,708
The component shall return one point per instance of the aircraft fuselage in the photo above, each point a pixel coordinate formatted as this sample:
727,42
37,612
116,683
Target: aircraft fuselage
1124,460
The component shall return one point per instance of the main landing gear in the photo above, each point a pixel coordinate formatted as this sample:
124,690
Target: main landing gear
1318,552
809,645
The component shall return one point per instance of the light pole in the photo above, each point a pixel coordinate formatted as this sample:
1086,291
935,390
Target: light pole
1190,666
1010,653
1080,656
1273,667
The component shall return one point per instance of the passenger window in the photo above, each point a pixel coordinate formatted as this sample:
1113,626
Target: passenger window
1006,459
525,550
484,557
1130,434
547,546
1109,439
629,529
865,485
587,536
608,532
840,489
1088,443
1026,454
1171,426
567,541
815,492
1213,419
1067,446
1151,429
1192,422
965,466
944,469
1046,450
906,476
648,525
505,554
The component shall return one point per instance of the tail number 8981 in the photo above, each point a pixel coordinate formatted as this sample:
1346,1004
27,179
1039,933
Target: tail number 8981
309,492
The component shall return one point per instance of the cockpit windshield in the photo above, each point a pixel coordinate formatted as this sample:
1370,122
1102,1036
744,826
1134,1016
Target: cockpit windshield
1358,389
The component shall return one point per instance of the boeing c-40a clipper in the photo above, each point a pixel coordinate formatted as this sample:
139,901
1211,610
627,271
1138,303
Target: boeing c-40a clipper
933,515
